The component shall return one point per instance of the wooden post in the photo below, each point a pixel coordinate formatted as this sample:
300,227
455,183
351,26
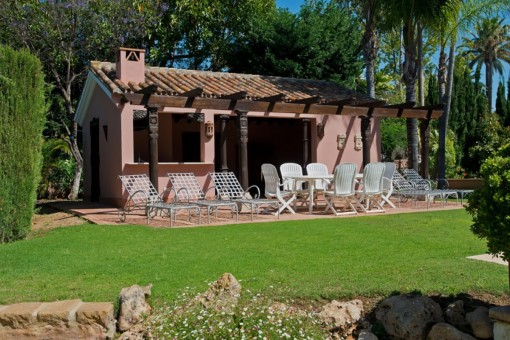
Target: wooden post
306,142
425,137
223,142
365,138
152,112
242,126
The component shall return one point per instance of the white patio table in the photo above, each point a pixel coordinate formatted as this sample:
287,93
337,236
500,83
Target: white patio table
311,184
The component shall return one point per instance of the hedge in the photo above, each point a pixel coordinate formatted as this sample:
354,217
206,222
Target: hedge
22,118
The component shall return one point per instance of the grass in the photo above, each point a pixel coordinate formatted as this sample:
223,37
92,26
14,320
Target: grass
310,259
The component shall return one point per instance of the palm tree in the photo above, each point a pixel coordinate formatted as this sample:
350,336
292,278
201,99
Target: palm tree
413,15
489,46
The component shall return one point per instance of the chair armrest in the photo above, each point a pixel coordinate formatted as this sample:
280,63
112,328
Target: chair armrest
257,195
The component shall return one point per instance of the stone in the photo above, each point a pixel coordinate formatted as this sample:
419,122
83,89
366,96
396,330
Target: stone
480,322
408,316
137,332
97,314
342,315
444,331
19,315
58,313
501,317
367,335
501,330
133,306
455,315
222,295
500,313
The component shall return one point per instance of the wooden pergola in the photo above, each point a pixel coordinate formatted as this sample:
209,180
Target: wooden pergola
277,103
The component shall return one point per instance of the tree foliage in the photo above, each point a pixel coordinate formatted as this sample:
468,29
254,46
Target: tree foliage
320,42
490,206
22,116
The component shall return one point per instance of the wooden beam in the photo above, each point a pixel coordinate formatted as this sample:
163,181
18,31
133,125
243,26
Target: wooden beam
309,100
192,93
430,107
373,103
407,105
276,98
349,101
234,96
151,89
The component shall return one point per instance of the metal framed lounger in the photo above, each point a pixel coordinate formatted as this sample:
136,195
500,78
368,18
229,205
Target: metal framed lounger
227,186
186,186
143,196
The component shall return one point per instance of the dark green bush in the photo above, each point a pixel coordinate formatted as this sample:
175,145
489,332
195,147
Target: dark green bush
22,118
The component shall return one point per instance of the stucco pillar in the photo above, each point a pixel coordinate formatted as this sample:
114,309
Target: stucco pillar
365,138
425,137
223,142
306,142
242,127
152,112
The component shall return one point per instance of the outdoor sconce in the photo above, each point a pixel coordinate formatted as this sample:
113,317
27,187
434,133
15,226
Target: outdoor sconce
320,130
209,129
340,141
358,143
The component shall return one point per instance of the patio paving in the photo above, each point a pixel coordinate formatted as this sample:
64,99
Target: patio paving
98,213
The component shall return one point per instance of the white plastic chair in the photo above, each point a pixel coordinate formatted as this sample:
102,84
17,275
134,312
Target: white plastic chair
318,169
372,190
293,169
272,188
343,189
388,183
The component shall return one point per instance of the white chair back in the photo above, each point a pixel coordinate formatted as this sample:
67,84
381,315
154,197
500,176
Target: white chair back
318,169
344,176
373,178
271,180
388,174
291,169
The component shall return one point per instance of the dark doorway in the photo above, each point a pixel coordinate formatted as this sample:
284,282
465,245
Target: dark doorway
191,146
94,160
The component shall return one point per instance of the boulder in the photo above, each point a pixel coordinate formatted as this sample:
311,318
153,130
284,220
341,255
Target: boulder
455,315
342,315
408,316
222,295
133,306
480,322
444,331
367,335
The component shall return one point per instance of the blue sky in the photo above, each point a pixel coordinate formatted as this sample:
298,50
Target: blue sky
294,5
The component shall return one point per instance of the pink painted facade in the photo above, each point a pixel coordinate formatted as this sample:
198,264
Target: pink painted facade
113,146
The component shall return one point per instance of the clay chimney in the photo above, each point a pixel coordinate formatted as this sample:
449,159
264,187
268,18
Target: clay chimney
131,65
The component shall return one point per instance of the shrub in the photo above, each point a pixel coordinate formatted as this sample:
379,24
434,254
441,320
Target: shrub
490,206
22,118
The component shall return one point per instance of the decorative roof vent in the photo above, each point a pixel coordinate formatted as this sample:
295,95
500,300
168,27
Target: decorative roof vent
131,65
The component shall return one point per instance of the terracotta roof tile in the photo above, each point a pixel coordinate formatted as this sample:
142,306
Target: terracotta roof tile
172,81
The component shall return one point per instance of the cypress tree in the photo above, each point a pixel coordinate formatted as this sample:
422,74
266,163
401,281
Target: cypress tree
501,103
22,118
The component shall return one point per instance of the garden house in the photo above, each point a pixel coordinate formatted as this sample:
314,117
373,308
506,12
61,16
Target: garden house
156,120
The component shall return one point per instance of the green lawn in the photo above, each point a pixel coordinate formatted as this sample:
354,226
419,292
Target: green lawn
325,258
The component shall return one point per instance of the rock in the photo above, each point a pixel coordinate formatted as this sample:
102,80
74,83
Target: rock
501,317
480,323
455,315
133,306
444,331
221,295
342,315
408,316
367,335
137,332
